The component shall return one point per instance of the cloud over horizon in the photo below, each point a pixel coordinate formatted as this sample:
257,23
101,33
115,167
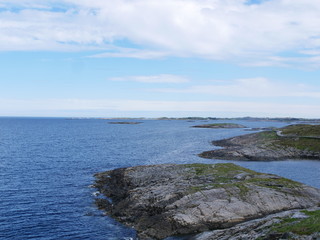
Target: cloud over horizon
249,88
112,107
262,33
250,57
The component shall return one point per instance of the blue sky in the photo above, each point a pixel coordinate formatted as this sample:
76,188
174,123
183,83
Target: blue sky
151,58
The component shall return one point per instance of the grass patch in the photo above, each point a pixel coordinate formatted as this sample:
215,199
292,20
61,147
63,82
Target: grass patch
275,183
201,169
301,137
230,168
223,176
305,226
302,130
223,170
309,144
243,189
268,135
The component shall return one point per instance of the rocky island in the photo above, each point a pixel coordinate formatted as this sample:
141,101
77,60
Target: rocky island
129,123
166,200
292,142
219,125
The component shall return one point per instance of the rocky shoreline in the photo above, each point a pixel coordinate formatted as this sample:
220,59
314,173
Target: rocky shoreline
220,201
129,123
268,146
166,200
220,125
264,228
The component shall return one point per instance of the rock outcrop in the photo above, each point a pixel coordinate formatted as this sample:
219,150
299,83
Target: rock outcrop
129,123
165,200
220,125
265,146
266,228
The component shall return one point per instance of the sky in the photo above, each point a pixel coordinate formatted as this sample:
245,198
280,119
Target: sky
152,58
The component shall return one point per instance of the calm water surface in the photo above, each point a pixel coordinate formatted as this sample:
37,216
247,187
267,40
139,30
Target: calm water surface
47,165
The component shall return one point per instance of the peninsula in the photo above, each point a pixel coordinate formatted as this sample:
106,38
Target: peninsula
299,141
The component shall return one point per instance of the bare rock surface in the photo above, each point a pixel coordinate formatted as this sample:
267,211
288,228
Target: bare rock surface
260,229
128,123
165,200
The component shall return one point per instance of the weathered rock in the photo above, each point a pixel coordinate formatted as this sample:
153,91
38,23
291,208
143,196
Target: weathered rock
129,123
258,229
265,146
165,200
220,125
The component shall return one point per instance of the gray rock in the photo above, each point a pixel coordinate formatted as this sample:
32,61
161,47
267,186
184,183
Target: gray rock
220,125
299,215
258,228
165,200
254,147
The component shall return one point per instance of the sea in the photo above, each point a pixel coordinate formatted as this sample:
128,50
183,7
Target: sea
47,168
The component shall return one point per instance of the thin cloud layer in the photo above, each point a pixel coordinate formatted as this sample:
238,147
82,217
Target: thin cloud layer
249,88
161,78
76,107
220,29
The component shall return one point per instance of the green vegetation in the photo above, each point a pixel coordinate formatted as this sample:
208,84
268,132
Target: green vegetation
219,170
301,136
269,135
309,144
222,174
243,188
229,171
302,130
304,226
201,169
281,184
232,177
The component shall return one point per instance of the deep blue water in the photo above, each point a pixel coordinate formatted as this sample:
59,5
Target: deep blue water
47,166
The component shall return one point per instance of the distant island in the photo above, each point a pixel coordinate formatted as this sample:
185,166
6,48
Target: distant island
267,119
191,119
220,125
124,122
299,141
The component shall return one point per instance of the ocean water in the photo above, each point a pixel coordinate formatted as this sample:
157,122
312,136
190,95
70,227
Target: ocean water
47,167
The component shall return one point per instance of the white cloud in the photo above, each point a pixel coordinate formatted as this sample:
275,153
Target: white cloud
110,107
220,29
117,52
162,78
251,87
310,62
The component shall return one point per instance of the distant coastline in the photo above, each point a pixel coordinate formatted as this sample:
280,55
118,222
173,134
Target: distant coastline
271,119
